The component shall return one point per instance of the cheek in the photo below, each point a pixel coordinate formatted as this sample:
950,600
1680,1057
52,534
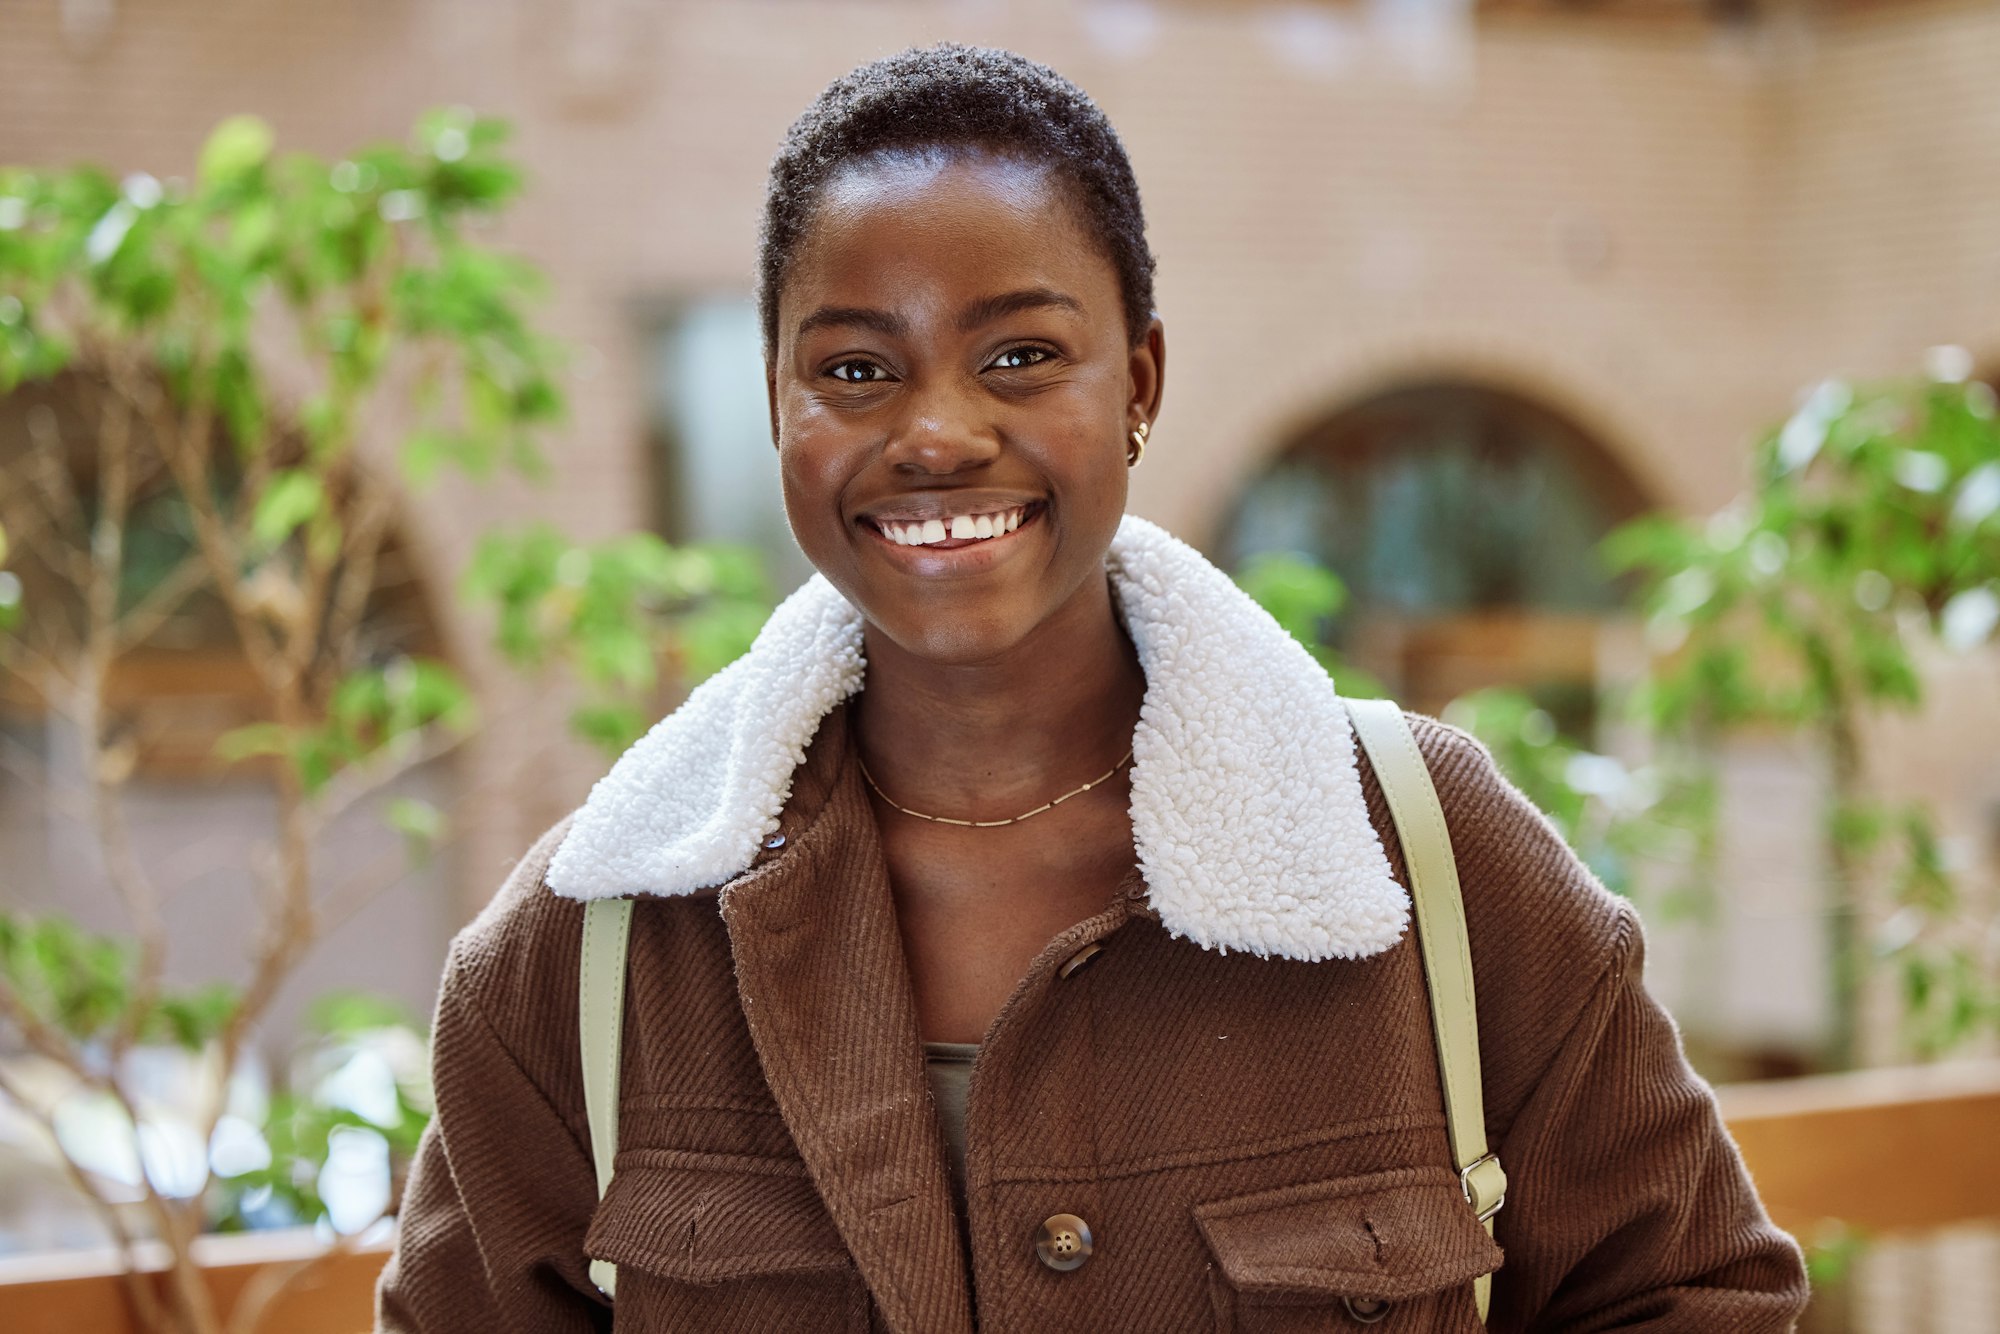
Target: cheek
1076,440
815,469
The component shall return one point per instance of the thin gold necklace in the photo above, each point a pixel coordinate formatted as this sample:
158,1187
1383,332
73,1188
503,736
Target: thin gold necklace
990,824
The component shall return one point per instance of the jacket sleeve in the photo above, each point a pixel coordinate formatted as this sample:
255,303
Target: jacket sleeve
1628,1206
490,1237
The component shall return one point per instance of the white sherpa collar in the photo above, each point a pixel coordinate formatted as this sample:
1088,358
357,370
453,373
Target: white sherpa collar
1247,811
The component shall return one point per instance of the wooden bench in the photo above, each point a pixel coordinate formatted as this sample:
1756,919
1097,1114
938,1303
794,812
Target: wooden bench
1897,1150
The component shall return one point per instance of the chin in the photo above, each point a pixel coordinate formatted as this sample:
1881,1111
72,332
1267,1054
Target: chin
950,638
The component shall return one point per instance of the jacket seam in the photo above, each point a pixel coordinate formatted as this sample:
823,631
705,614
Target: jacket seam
472,1008
1603,998
1374,1126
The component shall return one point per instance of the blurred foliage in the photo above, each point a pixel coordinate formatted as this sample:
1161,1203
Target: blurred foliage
1638,827
63,976
81,983
1832,1252
1305,597
1614,817
616,613
372,253
1870,531
308,1109
292,354
390,290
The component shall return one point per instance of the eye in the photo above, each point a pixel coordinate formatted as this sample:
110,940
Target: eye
1021,358
855,370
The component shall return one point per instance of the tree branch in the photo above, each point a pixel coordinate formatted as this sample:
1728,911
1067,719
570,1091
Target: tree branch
362,545
106,775
269,1285
51,475
144,1301
161,601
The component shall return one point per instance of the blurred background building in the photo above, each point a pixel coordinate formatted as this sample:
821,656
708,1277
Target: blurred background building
1450,290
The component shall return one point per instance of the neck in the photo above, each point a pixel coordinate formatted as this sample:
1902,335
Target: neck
990,739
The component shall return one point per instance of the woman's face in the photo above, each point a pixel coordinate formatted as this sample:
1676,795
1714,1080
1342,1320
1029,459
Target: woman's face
952,357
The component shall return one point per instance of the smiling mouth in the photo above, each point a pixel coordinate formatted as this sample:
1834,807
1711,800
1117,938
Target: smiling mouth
962,530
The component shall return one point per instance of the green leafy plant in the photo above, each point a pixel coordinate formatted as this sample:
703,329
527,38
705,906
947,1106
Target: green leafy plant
1615,816
1870,531
619,615
1637,826
235,386
1305,597
1870,535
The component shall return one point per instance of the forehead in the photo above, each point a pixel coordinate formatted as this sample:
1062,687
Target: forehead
939,224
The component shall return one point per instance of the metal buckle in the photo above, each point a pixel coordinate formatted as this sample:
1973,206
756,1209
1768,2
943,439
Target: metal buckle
1472,1196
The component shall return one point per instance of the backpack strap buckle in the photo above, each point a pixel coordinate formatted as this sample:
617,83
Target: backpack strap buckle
1484,1184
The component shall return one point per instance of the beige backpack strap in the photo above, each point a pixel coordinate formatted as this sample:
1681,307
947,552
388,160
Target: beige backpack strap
607,925
1440,914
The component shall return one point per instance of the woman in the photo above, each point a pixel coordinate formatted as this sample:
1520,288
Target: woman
1021,777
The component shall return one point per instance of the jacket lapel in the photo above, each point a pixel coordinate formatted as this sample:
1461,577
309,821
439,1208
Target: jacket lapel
824,986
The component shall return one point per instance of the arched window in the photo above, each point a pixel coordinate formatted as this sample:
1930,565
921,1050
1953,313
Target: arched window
186,681
1463,520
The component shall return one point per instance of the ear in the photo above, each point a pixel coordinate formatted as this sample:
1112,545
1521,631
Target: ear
1148,371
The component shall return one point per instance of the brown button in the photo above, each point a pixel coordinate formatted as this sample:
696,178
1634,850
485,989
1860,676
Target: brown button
1063,1242
1366,1310
1079,959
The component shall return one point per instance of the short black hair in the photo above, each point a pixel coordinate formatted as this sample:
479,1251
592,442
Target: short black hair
955,96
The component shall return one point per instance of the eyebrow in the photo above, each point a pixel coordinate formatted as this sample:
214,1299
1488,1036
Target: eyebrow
860,317
987,309
983,311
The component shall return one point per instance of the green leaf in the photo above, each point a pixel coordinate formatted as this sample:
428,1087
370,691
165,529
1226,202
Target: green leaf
69,977
343,1014
421,824
238,147
1300,595
194,1018
1833,1251
291,498
253,739
609,727
252,230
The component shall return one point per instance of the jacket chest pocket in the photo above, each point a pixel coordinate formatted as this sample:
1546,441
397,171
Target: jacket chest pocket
719,1243
1393,1252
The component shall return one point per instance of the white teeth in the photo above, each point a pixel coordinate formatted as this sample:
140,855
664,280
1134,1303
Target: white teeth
960,527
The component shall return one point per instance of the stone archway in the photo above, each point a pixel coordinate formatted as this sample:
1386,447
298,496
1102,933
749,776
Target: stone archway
1463,518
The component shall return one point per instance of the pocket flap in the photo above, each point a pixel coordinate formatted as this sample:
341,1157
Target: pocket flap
1389,1235
706,1218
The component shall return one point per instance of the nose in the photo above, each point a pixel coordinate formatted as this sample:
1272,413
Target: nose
942,431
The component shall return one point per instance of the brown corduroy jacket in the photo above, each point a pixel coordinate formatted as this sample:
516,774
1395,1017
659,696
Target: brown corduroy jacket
1235,1090
1251,1140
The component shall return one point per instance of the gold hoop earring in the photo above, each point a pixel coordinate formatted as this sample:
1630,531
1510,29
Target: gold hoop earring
1138,450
